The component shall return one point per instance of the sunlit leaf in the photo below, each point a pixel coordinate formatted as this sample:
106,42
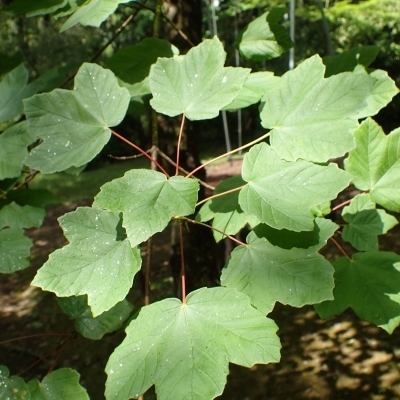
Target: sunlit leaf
225,211
94,328
313,117
382,93
253,89
365,222
14,250
184,349
12,388
92,13
264,38
375,164
281,193
13,149
98,261
196,84
74,124
60,384
148,201
369,283
16,216
268,273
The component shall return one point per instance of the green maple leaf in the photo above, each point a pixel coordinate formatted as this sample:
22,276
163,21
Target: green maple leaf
365,223
264,38
10,386
313,117
94,327
148,201
369,283
98,261
375,164
14,250
15,216
196,84
382,92
281,193
60,384
290,275
184,349
225,211
252,90
74,124
13,89
13,149
92,13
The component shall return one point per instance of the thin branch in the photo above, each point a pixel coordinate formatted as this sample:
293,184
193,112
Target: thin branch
340,248
228,153
33,336
192,221
31,175
62,349
183,279
178,150
173,163
341,205
141,151
181,33
220,194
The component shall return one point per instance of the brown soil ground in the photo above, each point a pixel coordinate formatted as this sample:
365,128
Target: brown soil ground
341,358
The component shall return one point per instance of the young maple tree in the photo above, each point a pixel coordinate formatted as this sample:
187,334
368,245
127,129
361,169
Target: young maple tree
283,194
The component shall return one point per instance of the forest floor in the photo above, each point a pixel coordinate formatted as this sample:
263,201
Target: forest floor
337,359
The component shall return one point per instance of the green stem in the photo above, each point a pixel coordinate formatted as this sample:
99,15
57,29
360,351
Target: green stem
229,153
179,145
220,194
192,221
183,279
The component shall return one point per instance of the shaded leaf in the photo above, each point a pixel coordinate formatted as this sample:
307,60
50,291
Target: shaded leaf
13,149
10,61
13,89
365,223
32,8
98,261
312,117
267,274
184,349
281,193
148,201
92,13
132,63
16,216
74,124
60,384
369,283
225,211
14,250
349,59
94,328
264,38
32,197
196,84
375,164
